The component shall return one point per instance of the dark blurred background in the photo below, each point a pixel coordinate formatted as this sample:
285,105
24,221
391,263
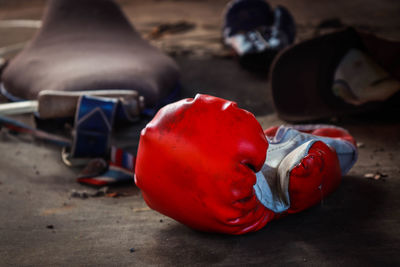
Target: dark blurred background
197,44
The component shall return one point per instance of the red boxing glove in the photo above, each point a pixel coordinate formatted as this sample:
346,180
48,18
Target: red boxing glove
309,161
197,162
203,162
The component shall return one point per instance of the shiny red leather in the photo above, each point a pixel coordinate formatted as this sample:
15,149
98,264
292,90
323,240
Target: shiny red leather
316,176
197,161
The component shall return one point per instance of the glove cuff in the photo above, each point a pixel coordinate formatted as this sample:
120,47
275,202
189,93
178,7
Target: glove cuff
272,186
287,148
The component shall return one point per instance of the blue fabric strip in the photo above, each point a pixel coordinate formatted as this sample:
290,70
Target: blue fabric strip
93,125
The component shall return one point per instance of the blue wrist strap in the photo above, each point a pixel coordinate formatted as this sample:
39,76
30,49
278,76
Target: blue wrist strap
93,125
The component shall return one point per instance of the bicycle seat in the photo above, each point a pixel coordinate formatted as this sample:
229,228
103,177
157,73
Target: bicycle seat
89,45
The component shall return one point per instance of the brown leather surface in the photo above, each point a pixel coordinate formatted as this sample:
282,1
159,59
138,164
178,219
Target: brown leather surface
89,45
302,75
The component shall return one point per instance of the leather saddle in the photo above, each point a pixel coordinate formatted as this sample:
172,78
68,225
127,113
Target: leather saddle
89,45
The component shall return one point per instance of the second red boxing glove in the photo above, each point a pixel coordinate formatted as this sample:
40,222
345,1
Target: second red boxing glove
304,164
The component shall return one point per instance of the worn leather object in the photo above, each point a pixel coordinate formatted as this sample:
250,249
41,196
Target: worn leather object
89,45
